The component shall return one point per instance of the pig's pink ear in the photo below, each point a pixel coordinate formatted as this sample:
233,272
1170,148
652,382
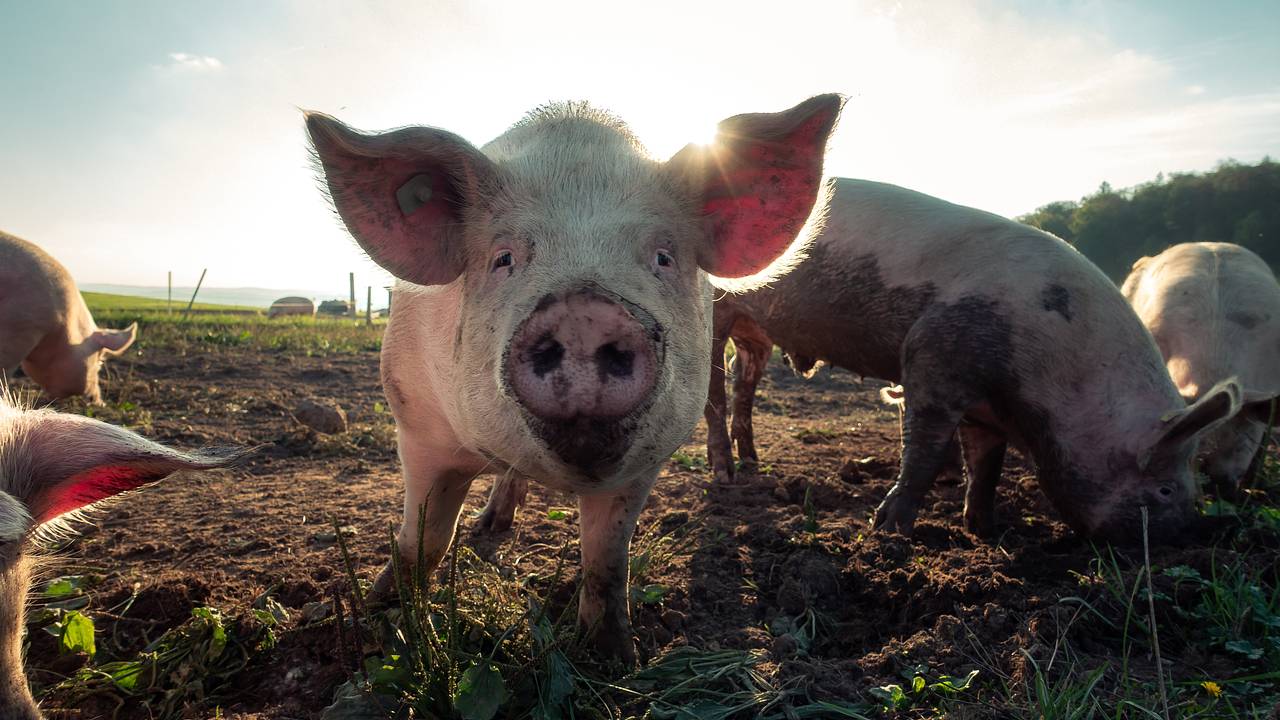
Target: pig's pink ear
61,463
757,183
403,194
1180,427
115,342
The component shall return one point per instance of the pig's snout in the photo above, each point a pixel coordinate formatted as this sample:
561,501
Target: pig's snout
579,364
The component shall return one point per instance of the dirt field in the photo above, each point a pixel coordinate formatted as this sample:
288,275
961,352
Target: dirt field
782,561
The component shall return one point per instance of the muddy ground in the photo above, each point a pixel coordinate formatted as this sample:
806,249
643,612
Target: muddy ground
880,604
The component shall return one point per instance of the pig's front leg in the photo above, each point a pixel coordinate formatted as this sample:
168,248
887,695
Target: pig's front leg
608,522
509,492
719,446
433,477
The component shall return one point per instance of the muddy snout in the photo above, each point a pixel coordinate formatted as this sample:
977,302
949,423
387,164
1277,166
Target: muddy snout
581,364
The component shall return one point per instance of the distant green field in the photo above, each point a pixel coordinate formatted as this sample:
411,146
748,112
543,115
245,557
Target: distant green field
106,301
231,327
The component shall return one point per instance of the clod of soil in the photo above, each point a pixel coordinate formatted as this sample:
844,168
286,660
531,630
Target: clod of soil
322,416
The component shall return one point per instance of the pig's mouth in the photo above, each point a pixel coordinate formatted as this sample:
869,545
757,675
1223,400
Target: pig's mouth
592,445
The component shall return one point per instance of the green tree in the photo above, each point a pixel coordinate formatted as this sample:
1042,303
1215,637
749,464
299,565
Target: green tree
1234,203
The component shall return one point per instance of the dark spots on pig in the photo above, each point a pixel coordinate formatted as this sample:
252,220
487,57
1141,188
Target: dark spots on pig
545,302
1246,319
1056,298
962,348
838,310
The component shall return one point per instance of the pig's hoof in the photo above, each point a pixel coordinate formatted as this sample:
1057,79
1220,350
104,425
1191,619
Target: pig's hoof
616,648
896,514
979,525
385,591
493,521
723,474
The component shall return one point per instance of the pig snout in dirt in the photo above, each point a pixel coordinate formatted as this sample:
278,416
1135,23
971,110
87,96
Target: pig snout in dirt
1214,310
553,307
45,326
52,466
579,365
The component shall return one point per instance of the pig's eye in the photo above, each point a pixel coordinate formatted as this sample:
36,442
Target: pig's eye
504,259
663,259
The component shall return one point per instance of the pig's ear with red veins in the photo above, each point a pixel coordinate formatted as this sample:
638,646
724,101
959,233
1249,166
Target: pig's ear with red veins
62,463
115,342
757,183
403,194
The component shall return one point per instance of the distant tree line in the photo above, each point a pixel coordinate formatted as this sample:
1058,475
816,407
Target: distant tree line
1113,228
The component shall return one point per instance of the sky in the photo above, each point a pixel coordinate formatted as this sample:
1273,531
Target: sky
138,138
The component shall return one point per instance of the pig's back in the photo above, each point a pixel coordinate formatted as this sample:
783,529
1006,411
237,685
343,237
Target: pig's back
1214,309
887,255
35,289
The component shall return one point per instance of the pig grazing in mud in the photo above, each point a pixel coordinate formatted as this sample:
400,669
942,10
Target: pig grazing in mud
53,465
45,326
1214,309
994,329
553,315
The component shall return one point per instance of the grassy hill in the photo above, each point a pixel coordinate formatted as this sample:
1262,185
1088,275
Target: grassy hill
107,302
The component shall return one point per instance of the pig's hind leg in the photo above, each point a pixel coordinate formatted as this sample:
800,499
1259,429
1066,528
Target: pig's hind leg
754,349
509,492
984,450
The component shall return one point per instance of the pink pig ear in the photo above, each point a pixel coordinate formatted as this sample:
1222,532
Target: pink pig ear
61,463
403,194
115,342
758,182
1184,425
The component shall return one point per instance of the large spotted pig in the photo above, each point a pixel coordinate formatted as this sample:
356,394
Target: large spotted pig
1000,331
1214,309
52,465
45,326
553,314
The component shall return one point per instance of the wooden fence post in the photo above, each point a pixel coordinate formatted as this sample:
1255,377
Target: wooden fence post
187,314
352,278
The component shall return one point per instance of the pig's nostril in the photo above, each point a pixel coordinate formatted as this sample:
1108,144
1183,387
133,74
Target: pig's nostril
546,355
614,361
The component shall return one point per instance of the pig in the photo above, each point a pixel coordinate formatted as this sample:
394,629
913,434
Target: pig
994,329
553,304
54,467
1214,309
46,328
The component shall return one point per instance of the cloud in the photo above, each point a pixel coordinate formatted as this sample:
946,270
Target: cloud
188,61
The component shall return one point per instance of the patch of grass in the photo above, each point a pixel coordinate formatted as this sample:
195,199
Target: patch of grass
687,461
319,336
107,302
182,671
922,690
481,646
